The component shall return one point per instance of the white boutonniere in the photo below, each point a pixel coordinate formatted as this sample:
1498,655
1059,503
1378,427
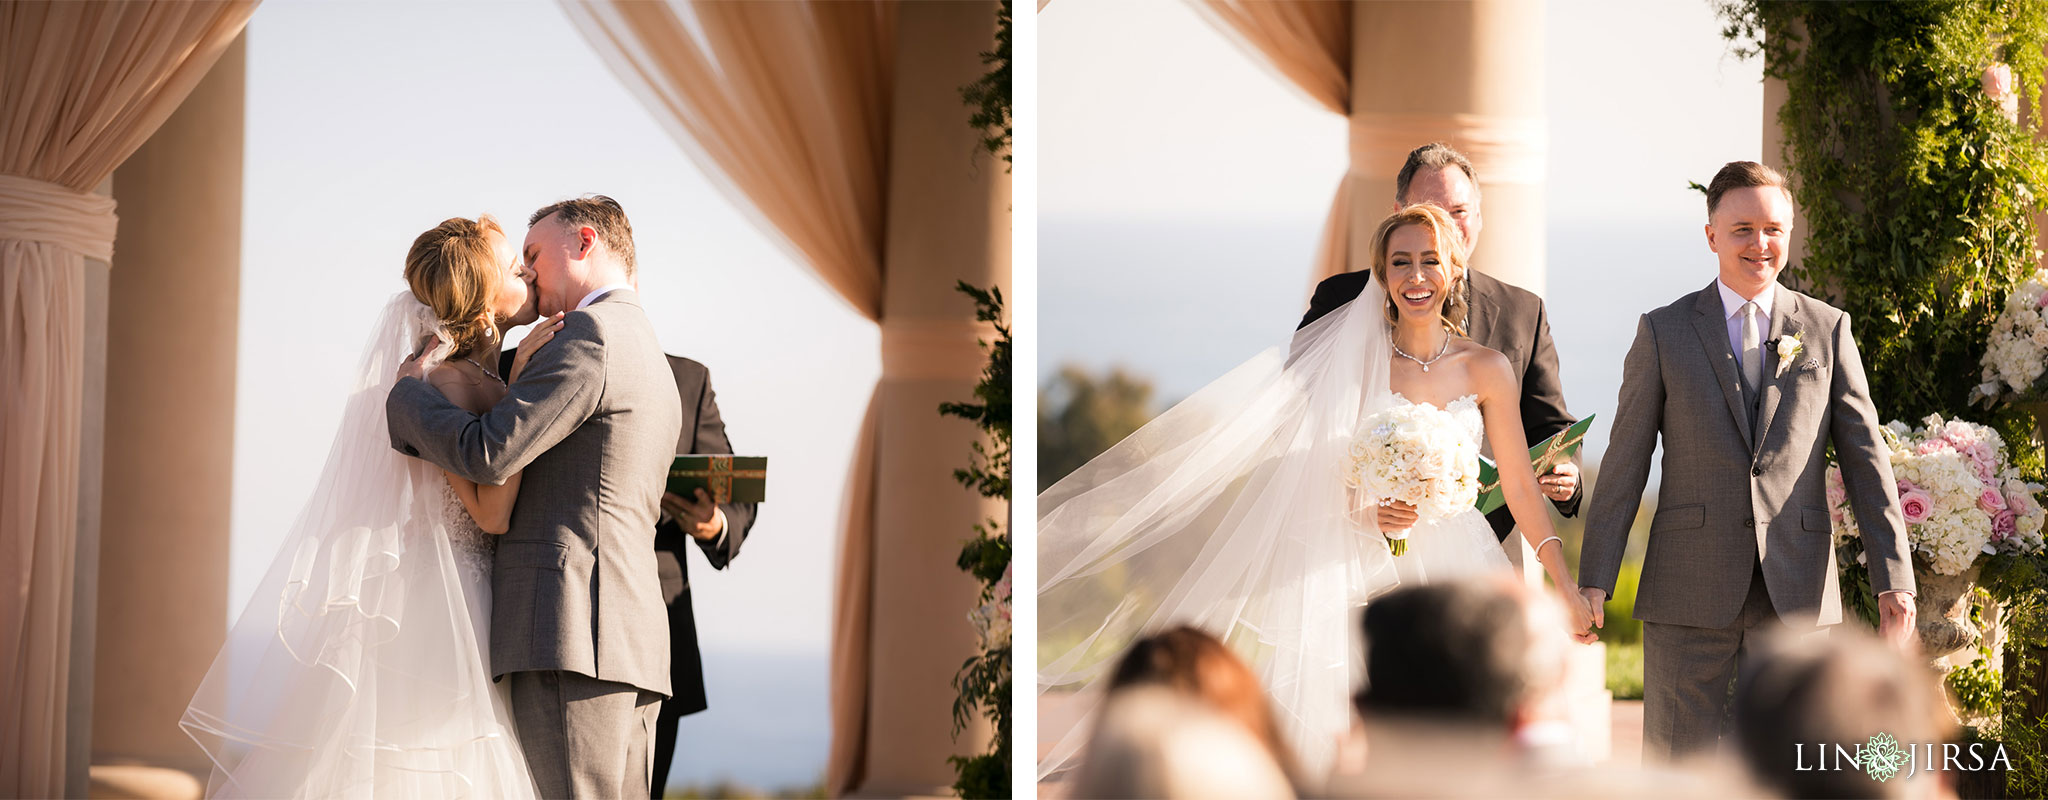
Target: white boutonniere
1789,348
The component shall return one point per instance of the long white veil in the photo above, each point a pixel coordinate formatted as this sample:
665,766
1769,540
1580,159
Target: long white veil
355,670
1228,513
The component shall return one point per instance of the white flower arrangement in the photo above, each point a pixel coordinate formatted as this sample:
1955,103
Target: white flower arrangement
1959,493
2018,349
1419,455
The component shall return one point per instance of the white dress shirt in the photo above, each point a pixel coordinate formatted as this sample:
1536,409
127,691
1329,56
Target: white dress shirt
600,292
1731,306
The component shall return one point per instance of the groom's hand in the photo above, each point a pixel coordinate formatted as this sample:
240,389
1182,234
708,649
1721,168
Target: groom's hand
1596,602
1561,482
1895,621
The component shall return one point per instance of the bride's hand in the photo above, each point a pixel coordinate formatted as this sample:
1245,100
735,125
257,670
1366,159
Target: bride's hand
541,333
1397,516
1581,610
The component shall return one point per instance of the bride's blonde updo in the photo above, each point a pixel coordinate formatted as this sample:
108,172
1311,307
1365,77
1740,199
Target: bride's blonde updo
1449,247
454,270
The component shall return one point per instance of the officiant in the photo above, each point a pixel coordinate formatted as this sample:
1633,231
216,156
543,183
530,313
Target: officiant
717,530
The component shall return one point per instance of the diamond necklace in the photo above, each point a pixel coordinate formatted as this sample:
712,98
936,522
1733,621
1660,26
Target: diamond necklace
1433,359
494,376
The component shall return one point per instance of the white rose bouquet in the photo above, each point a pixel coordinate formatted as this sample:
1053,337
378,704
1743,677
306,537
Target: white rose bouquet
2018,348
1419,455
1960,494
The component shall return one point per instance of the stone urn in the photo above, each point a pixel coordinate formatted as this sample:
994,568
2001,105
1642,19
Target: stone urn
1942,611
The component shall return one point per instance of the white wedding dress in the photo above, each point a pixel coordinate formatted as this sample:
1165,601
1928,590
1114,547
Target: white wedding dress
358,667
1229,513
1462,544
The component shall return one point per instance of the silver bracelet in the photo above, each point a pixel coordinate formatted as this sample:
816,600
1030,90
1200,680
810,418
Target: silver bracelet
1539,545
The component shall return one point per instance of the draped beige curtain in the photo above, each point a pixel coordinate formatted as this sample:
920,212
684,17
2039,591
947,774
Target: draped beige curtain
788,106
1309,43
82,85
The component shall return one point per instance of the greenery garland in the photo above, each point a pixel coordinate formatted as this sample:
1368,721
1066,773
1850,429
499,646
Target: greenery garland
1918,191
1919,183
983,681
990,96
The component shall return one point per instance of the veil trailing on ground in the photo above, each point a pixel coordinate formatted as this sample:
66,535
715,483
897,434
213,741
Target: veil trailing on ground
1228,512
355,670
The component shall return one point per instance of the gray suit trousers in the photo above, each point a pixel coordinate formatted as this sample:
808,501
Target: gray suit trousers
584,737
1688,673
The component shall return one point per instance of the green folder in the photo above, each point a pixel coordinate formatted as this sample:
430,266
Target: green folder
728,479
1545,455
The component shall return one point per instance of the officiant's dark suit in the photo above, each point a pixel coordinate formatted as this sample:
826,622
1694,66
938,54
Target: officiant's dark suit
703,432
1509,319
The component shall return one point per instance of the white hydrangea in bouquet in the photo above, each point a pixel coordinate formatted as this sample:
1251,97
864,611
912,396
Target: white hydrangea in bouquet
1416,454
2017,352
1959,492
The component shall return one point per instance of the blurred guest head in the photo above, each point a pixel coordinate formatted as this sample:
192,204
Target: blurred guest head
1159,741
1486,652
1199,666
1800,695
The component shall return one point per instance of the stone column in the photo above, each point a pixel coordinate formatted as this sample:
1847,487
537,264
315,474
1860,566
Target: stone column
169,437
948,220
1468,73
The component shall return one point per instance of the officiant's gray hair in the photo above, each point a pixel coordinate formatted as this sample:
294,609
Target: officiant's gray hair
603,215
1435,155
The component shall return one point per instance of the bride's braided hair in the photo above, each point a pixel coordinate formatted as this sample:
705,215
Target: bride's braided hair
1449,247
454,271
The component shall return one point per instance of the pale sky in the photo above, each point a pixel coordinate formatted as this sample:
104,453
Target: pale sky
369,123
1183,185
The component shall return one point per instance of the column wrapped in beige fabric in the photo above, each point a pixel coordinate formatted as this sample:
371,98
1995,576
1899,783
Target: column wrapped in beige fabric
787,106
1309,43
784,105
82,85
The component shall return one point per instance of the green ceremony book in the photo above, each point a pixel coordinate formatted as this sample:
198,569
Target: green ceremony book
728,479
1545,455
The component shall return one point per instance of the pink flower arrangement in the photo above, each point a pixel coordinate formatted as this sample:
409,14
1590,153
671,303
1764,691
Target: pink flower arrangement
1960,496
1916,506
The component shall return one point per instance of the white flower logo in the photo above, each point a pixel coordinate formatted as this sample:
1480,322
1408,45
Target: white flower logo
1882,757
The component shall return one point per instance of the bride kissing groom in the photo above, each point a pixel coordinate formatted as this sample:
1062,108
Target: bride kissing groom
420,634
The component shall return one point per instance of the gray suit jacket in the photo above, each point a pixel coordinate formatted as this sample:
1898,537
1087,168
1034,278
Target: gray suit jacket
592,421
1735,492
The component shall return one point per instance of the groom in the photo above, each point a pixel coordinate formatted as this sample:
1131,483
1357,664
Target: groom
1503,317
577,621
1747,382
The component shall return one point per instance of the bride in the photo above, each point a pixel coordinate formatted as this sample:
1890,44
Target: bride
357,669
1230,511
